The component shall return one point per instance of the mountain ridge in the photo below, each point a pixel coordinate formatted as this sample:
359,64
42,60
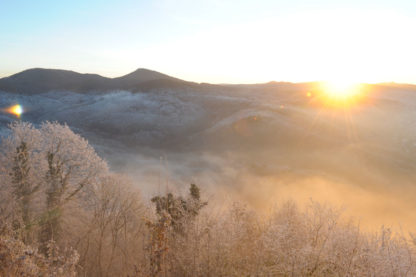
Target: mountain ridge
38,80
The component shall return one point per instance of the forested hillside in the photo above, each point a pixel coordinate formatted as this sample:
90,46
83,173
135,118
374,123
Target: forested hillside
65,213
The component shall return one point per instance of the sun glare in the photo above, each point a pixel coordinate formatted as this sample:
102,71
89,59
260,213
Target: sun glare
341,89
16,110
341,92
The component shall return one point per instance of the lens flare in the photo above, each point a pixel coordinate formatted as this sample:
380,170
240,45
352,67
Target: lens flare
16,110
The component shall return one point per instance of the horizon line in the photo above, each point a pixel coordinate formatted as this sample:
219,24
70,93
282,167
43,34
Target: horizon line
212,83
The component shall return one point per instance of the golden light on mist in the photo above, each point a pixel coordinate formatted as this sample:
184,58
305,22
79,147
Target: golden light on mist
16,110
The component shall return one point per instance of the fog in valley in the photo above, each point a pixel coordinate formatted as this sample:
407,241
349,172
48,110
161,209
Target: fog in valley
259,144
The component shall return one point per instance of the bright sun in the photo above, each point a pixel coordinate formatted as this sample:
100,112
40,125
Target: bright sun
341,90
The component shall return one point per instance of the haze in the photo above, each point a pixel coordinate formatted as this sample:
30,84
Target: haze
214,41
260,144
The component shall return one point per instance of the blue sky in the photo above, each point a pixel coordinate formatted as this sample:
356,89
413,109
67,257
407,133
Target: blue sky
214,41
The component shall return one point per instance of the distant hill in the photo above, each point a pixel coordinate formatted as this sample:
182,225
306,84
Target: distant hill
142,75
38,80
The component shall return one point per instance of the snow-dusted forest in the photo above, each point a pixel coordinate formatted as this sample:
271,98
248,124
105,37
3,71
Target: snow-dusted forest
65,213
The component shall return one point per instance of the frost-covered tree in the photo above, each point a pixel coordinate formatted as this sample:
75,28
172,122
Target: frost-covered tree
112,232
20,259
175,215
52,161
72,165
23,187
176,209
20,170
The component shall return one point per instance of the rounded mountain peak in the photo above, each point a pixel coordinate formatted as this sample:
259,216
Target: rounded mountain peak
144,75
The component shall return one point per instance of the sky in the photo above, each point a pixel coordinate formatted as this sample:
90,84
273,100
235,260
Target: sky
217,41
